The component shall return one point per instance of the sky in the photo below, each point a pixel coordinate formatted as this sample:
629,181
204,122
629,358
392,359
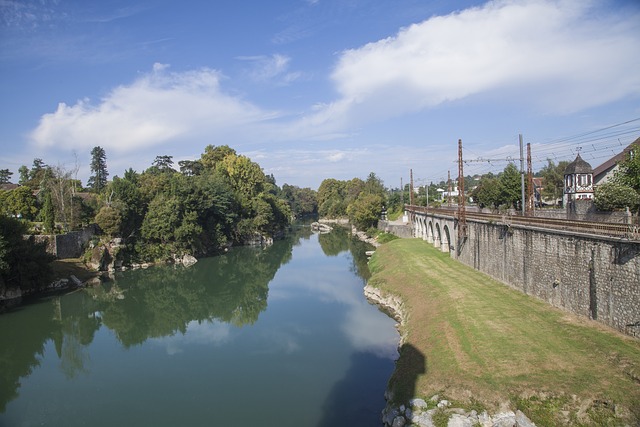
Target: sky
317,89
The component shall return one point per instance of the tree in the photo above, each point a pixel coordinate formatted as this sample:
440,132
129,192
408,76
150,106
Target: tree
487,193
5,176
23,175
98,180
510,186
553,176
615,196
162,164
109,219
48,213
24,264
365,211
213,155
628,172
20,203
331,198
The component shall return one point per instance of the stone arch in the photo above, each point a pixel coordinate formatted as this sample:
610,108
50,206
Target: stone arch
437,238
430,232
446,240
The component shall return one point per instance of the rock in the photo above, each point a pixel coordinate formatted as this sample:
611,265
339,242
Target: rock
187,260
399,421
322,228
444,404
418,403
389,414
75,280
504,419
422,420
457,420
522,420
484,419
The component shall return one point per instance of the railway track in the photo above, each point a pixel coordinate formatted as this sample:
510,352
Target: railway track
628,231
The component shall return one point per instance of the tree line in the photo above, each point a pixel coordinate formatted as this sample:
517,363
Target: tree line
218,200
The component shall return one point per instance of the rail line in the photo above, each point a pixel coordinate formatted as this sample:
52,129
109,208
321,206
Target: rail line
627,231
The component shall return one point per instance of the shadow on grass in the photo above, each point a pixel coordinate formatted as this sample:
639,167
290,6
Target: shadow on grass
409,366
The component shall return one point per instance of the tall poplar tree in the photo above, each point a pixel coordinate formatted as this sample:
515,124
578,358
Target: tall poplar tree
98,180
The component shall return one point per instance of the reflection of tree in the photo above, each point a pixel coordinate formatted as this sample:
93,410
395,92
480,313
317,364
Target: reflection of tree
68,321
138,305
339,240
334,242
163,300
22,334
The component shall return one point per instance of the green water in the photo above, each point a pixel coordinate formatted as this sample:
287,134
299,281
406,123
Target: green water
274,337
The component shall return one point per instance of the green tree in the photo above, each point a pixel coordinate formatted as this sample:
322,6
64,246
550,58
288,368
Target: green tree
163,163
5,176
553,176
487,193
628,172
365,211
213,155
23,173
20,203
109,219
24,264
48,214
98,181
510,186
615,196
331,198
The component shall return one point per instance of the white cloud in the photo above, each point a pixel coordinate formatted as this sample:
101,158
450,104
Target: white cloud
555,56
158,107
272,68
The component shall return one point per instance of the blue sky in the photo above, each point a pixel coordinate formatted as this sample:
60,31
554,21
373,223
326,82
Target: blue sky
315,89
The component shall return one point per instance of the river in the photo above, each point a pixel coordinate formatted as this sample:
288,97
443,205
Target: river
281,336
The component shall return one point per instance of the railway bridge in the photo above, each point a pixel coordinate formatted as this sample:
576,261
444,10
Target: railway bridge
588,268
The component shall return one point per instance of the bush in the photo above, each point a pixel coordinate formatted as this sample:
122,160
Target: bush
613,196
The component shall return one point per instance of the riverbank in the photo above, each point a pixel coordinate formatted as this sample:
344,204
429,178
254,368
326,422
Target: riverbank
481,346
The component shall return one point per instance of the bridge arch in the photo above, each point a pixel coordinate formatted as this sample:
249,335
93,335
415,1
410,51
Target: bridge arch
446,239
437,238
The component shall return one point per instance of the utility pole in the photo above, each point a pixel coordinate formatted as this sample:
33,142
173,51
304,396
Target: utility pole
462,217
411,187
401,193
522,201
449,188
530,190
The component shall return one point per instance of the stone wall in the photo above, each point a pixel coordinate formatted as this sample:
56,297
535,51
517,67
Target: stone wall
597,277
69,245
400,230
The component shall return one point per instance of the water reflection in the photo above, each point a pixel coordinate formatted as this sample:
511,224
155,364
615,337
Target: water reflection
161,303
319,343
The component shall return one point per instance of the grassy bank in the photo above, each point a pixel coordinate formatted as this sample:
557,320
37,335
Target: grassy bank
484,345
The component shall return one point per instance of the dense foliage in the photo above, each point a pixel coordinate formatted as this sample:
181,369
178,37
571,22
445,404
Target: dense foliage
24,264
361,201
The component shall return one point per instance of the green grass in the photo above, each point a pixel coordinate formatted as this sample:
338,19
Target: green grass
479,339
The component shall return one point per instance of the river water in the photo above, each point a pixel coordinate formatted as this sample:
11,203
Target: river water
281,336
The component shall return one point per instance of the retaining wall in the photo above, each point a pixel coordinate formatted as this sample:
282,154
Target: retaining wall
593,276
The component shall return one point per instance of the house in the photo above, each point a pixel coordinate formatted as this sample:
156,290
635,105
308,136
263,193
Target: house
606,170
578,180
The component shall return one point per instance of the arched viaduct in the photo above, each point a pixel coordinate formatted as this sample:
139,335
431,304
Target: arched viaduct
437,229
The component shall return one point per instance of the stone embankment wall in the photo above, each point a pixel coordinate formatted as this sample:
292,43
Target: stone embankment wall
596,277
400,230
69,245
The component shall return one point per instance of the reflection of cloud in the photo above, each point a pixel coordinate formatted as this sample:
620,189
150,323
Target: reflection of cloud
368,330
211,332
282,341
